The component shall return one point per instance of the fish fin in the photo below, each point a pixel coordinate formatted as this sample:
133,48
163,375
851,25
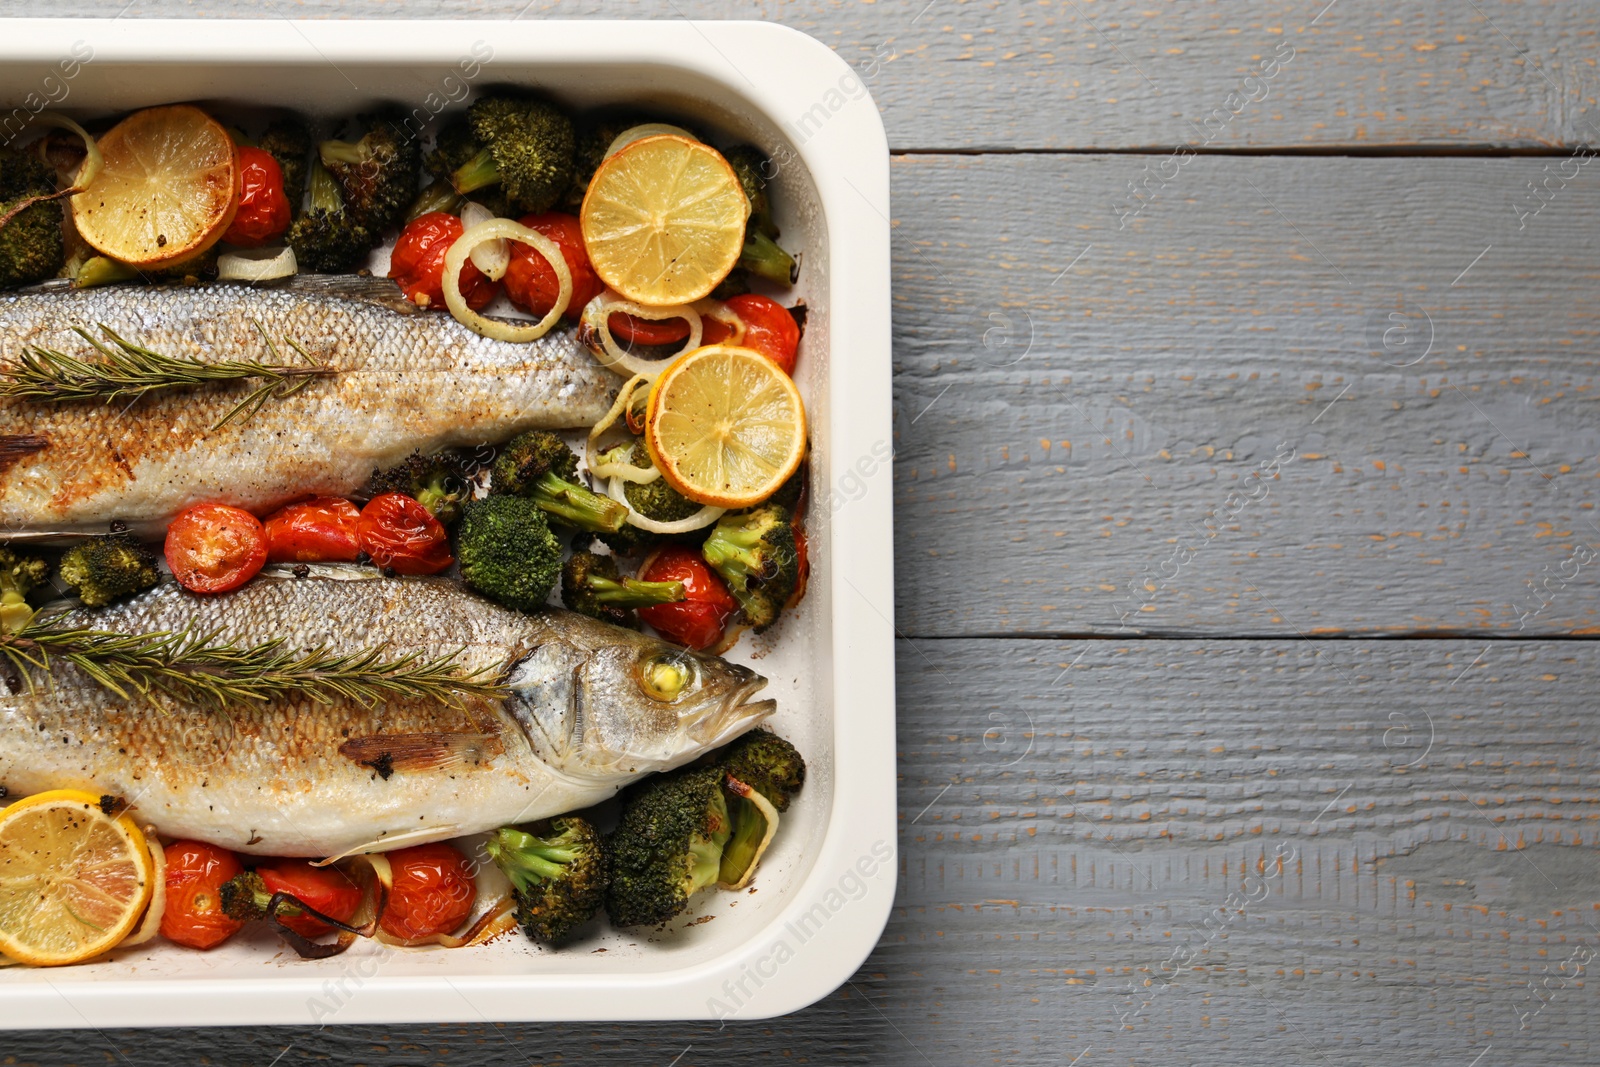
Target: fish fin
389,753
14,446
384,292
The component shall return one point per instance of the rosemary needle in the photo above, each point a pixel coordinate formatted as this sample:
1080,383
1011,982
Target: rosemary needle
123,369
201,669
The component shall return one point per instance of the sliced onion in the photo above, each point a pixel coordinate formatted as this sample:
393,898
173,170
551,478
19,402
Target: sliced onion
716,309
257,265
768,813
626,471
497,229
151,923
649,129
596,325
698,521
88,170
492,257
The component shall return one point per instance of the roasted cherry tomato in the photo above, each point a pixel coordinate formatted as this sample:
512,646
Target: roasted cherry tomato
630,331
327,889
398,532
532,285
264,210
699,619
417,263
768,328
315,531
213,548
195,873
432,892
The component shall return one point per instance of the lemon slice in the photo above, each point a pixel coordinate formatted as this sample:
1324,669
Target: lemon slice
73,880
663,220
168,190
725,426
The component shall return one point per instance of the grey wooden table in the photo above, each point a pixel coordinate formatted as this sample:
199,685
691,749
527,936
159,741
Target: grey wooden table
1245,483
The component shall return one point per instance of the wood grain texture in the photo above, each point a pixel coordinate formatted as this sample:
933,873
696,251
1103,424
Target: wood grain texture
1077,402
1063,833
1118,74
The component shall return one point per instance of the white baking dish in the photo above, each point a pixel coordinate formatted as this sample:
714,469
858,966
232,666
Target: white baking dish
825,893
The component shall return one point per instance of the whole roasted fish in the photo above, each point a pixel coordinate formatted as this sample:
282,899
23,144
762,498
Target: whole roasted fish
587,713
402,380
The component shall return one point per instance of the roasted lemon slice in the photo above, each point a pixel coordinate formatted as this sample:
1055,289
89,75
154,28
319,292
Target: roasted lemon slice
725,426
168,190
663,220
73,880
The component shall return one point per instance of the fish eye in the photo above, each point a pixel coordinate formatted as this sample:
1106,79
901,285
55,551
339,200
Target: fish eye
665,676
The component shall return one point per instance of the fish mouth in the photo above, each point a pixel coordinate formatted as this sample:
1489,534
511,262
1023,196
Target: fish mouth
739,712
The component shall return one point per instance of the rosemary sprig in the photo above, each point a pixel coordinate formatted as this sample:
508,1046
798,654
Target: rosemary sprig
198,668
123,368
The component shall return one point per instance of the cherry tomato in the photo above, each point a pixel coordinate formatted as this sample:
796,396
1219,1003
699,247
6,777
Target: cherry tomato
697,621
327,889
532,285
315,531
195,873
417,263
264,210
213,548
398,532
768,328
432,893
630,331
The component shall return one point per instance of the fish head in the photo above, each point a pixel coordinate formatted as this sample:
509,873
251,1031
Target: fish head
597,700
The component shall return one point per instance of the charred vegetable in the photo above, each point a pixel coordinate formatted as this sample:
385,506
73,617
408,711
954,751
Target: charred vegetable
19,576
105,569
591,586
328,238
31,245
557,873
438,482
522,143
377,174
538,465
507,551
756,553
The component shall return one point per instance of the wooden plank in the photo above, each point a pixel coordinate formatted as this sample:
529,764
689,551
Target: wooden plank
1117,74
1074,811
1078,405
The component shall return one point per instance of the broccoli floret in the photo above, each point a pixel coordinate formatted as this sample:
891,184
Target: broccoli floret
19,576
762,257
31,244
755,553
327,239
751,167
769,763
438,482
539,465
764,763
523,143
667,846
507,551
452,149
595,134
377,174
104,569
557,873
288,141
591,586
761,254
656,500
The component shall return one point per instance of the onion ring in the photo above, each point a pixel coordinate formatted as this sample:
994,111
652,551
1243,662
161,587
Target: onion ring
256,266
698,521
492,257
496,229
157,908
626,471
595,325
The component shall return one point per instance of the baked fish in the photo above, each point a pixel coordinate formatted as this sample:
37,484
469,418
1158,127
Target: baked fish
403,380
590,708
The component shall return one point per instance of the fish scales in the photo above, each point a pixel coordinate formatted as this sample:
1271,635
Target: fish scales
405,381
280,777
